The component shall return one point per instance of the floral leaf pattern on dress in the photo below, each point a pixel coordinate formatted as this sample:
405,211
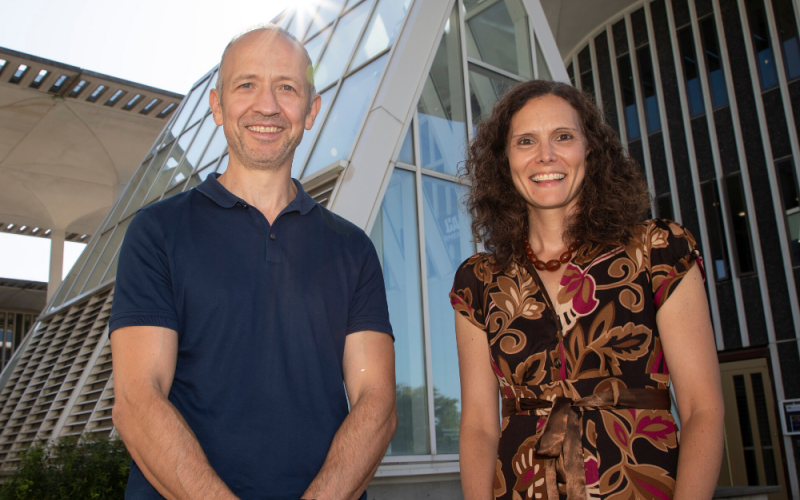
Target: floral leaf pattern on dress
606,303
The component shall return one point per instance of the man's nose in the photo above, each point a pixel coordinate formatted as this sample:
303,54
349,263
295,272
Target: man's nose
266,103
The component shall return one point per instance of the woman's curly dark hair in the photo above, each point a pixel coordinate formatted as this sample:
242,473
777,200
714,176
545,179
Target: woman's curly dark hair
613,199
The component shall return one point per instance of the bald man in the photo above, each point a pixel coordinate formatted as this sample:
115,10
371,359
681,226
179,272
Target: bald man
246,315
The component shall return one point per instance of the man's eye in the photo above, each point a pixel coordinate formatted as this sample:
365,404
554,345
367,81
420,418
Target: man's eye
246,85
287,87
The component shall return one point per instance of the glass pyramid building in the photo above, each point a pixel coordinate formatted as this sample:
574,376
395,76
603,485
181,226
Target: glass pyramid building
403,84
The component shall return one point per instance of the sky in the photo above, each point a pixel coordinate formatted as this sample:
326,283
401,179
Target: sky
167,44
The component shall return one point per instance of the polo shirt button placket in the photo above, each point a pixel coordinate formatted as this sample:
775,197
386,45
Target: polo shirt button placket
272,236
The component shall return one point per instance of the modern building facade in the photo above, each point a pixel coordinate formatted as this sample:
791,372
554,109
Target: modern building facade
403,85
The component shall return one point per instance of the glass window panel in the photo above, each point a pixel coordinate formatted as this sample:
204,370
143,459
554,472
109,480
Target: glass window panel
284,23
690,71
350,3
648,81
739,221
407,149
448,242
173,161
90,265
791,205
200,176
787,32
314,47
216,147
335,58
190,102
300,22
441,108
541,63
485,88
301,153
107,256
192,158
762,46
664,204
150,176
112,269
587,82
382,30
716,236
498,35
126,197
328,10
340,129
716,77
628,96
395,238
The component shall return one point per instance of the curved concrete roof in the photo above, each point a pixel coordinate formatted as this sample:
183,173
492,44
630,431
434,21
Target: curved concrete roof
63,156
571,21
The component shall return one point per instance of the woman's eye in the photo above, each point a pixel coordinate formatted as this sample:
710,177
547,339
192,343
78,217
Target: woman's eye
564,137
524,141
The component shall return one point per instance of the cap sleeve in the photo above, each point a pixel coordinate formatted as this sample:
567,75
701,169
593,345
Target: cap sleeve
672,250
466,297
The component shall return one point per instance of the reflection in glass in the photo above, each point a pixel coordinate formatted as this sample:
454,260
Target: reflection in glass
628,96
407,149
741,227
787,31
215,148
664,204
790,196
382,30
149,177
541,64
314,47
486,87
335,58
126,197
690,71
340,129
498,35
190,102
395,238
90,264
192,158
442,112
173,161
328,10
716,235
716,77
759,30
301,153
448,242
108,254
648,82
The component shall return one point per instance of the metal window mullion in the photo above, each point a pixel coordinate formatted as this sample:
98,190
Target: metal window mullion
662,114
167,185
784,86
643,132
755,237
722,188
465,60
598,95
576,71
777,204
698,195
612,51
441,175
315,137
485,65
423,269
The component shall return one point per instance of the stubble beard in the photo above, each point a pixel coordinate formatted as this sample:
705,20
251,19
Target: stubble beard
253,160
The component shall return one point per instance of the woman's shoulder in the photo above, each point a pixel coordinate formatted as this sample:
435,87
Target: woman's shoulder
660,231
478,269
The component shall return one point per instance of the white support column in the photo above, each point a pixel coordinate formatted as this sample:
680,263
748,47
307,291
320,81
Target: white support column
546,41
57,237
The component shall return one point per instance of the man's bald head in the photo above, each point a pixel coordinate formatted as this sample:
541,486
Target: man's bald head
274,28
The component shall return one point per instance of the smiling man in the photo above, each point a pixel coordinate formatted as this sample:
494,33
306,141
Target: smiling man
246,315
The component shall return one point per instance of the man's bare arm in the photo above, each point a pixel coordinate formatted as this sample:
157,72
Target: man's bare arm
158,438
361,441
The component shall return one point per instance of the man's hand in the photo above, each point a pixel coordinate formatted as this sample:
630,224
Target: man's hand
160,441
361,441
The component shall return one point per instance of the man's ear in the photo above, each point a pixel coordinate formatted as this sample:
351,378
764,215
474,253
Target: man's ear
313,111
215,102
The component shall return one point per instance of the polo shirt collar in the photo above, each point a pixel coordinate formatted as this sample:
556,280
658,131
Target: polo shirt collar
217,193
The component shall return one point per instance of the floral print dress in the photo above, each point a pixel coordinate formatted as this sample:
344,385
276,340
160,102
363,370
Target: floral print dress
599,335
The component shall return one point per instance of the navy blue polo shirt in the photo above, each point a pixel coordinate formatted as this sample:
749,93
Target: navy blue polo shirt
262,313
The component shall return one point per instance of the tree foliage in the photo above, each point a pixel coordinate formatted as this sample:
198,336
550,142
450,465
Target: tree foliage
70,469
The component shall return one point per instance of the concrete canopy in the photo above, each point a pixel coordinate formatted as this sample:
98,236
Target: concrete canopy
67,148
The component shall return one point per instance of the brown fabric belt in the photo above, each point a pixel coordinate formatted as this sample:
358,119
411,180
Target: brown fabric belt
561,439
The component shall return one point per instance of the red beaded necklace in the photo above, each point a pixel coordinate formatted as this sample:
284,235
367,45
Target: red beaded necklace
550,265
